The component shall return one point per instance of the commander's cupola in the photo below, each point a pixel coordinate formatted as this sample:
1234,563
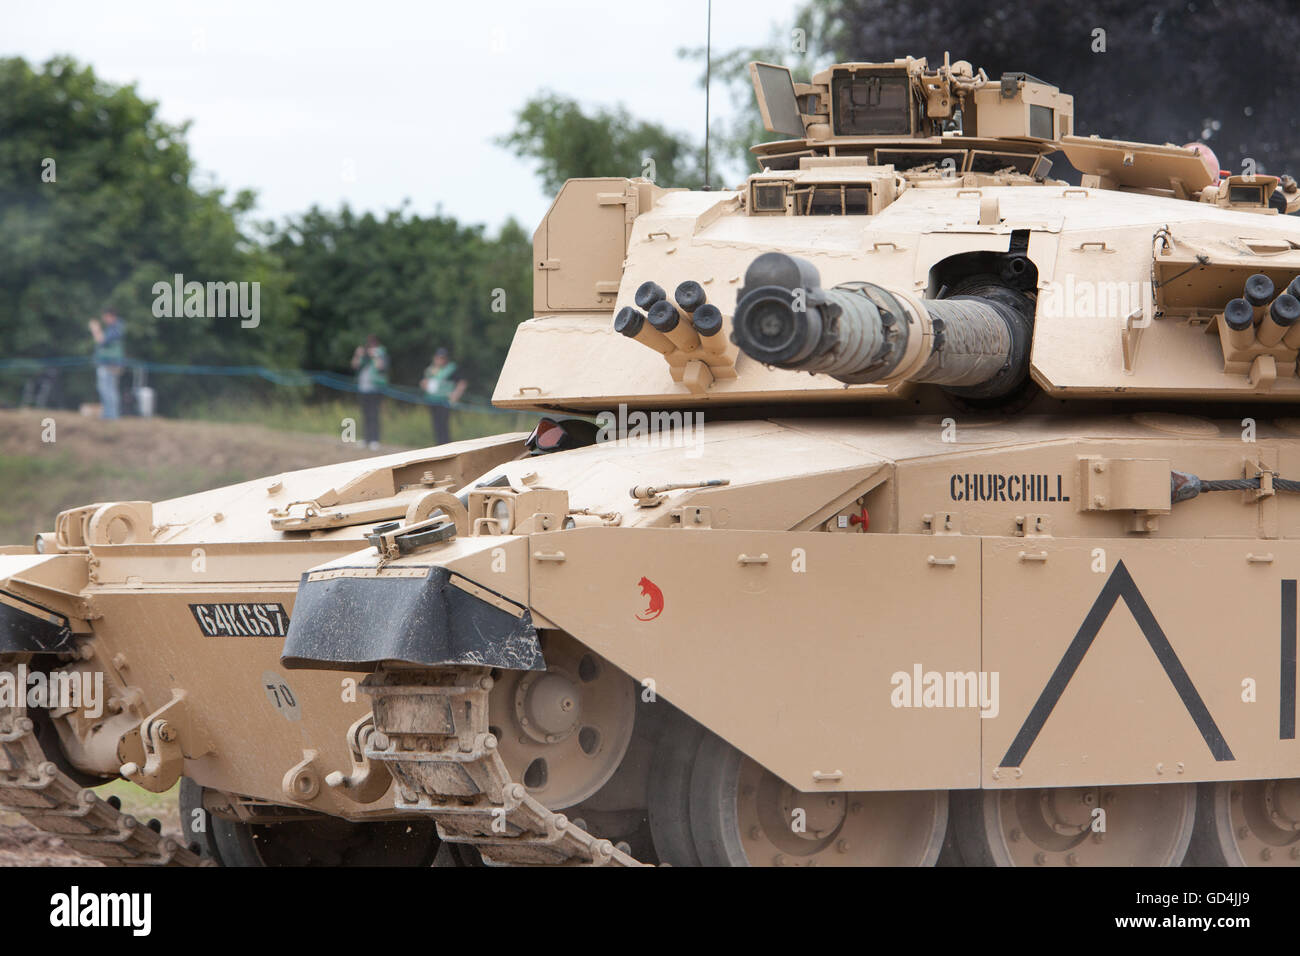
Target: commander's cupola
905,99
862,133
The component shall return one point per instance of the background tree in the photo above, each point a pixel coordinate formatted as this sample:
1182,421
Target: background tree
119,209
567,143
97,203
416,282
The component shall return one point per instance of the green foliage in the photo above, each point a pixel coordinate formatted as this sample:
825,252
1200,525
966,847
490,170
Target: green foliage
567,143
118,210
418,283
97,204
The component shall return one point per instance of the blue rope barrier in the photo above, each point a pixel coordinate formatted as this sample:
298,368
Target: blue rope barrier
291,377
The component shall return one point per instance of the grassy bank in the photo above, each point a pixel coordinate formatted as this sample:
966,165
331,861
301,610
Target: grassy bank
158,458
401,423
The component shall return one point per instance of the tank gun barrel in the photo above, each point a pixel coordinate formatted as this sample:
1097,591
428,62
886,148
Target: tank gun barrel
975,342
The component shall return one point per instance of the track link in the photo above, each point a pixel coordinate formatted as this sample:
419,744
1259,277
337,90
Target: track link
33,786
431,732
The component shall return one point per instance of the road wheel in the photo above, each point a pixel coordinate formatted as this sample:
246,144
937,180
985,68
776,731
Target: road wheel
743,815
1247,823
670,791
1148,825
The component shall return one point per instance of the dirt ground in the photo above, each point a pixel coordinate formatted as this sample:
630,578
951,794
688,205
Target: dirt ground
21,844
24,845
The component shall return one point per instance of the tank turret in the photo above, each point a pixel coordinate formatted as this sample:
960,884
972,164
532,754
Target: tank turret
921,195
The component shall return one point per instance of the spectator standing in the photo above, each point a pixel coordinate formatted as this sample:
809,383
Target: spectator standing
109,358
442,391
371,364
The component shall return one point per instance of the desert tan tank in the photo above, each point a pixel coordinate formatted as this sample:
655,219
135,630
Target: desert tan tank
932,507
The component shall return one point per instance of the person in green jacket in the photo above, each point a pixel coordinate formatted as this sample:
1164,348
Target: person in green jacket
441,391
109,358
371,364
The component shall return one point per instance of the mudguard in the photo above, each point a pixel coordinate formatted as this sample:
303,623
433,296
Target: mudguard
354,618
27,623
28,628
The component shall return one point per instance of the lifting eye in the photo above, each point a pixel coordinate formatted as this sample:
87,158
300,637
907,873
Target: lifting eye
501,512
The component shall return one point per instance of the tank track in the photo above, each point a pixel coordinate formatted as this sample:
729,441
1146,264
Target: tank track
431,732
32,785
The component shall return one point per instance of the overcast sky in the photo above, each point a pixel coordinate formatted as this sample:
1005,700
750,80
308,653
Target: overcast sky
372,103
